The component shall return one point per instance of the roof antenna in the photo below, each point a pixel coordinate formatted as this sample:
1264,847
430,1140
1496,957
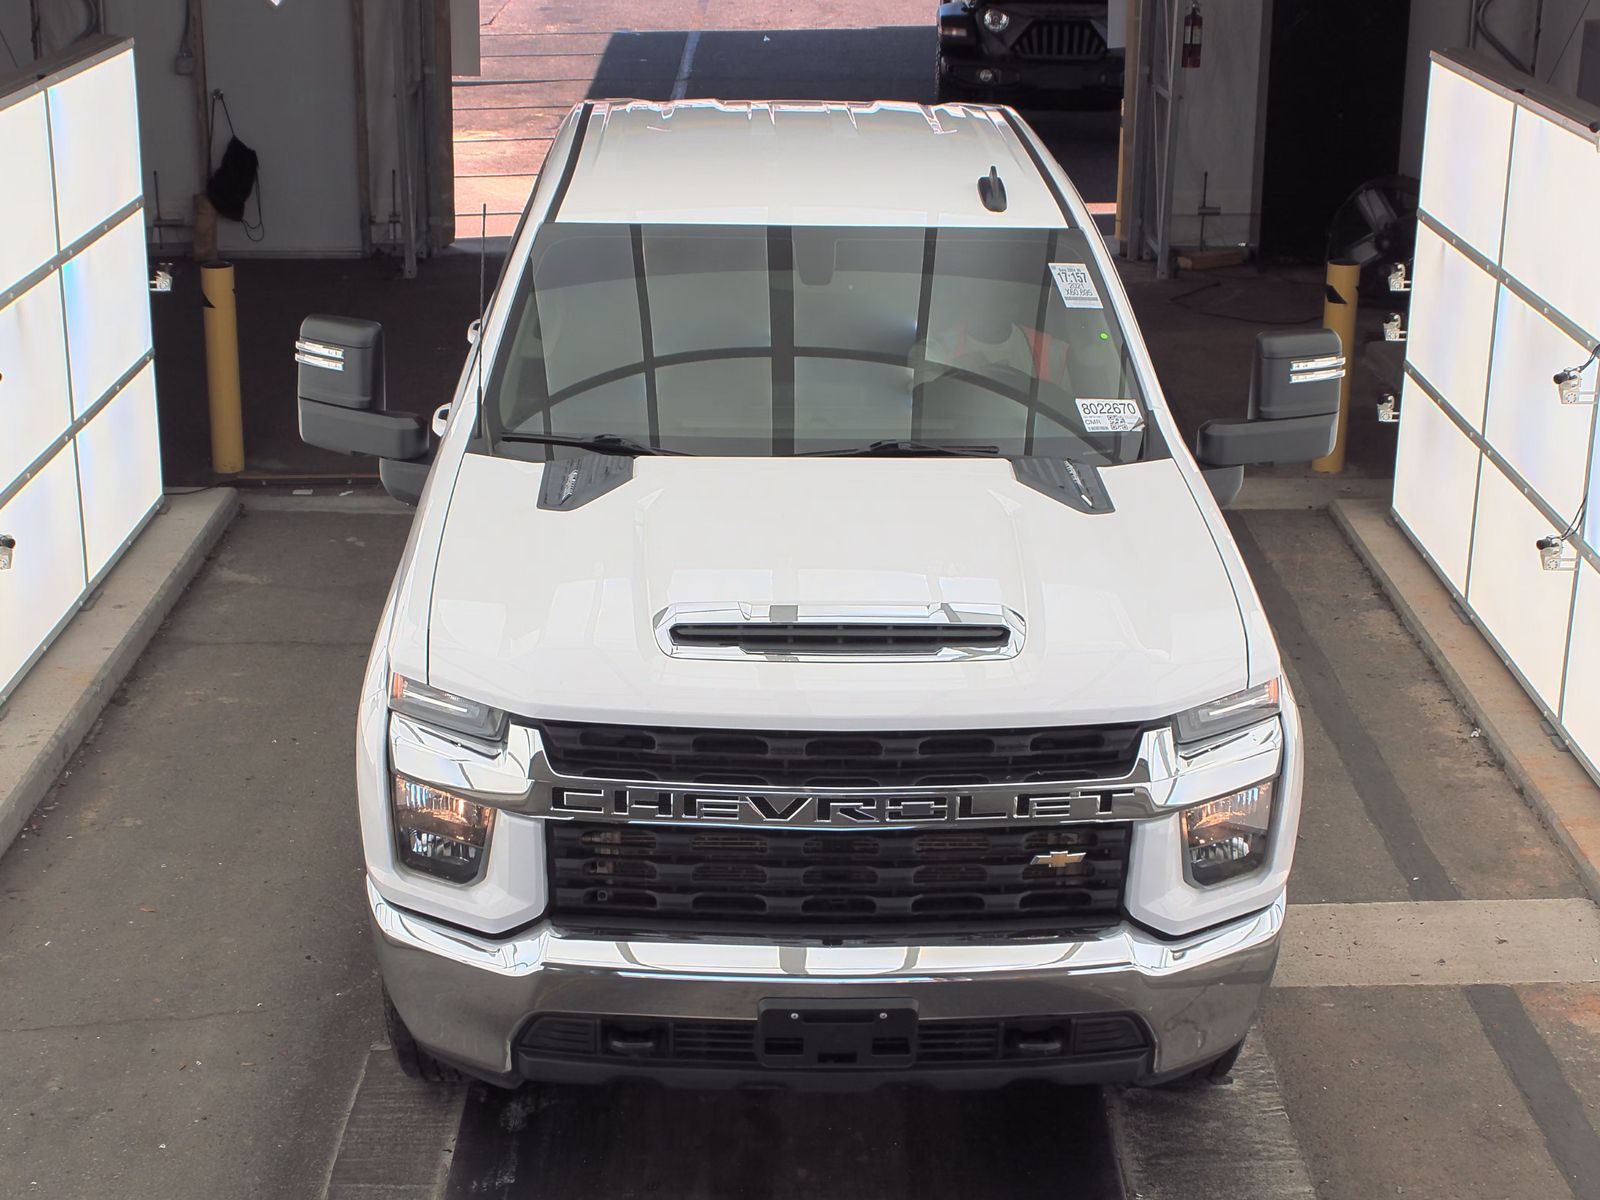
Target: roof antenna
992,191
483,254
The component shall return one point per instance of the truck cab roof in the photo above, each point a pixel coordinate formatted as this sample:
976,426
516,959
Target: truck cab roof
804,163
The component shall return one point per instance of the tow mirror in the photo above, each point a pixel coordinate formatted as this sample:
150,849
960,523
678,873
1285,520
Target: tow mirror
342,402
1294,406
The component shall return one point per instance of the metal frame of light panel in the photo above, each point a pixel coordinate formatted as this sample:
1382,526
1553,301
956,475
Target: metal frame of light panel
1509,166
75,329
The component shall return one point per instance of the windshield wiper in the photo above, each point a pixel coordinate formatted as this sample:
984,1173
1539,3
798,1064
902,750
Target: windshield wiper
893,446
600,443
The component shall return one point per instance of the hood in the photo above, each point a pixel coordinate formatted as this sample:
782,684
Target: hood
1129,615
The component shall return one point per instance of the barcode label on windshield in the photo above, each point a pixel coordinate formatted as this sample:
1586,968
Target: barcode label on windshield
1110,416
1076,285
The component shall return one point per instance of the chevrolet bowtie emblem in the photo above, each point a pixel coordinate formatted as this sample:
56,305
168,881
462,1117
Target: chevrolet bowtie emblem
1059,858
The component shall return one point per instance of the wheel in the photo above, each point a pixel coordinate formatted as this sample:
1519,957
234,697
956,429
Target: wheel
1209,1074
416,1062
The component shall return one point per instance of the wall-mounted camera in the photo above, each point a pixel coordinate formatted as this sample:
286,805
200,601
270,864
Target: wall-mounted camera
1569,385
1552,556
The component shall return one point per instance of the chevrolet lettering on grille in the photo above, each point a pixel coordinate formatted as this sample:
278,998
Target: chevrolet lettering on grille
825,810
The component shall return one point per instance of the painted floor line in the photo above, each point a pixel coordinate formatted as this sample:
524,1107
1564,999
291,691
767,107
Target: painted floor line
1449,943
1223,1142
398,1138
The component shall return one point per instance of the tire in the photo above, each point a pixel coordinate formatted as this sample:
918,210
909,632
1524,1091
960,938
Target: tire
414,1061
945,89
1217,1071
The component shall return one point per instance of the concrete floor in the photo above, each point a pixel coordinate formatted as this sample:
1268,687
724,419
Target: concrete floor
192,1005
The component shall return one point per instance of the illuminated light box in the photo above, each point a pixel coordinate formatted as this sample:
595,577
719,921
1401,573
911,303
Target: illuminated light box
33,380
1591,519
94,142
80,463
46,578
1524,607
1465,149
120,454
1581,701
106,334
1550,240
1506,292
1435,478
1546,442
27,213
1453,354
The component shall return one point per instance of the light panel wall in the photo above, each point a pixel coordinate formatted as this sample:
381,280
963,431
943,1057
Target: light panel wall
80,463
1506,293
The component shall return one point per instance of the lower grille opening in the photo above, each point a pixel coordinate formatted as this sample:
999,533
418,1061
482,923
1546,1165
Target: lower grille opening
936,1043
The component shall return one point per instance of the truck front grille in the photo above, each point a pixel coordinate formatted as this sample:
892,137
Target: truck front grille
1059,39
674,879
767,758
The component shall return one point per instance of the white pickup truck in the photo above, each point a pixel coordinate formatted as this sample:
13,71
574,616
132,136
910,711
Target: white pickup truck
817,658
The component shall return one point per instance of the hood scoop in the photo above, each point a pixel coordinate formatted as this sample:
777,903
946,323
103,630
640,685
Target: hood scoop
838,633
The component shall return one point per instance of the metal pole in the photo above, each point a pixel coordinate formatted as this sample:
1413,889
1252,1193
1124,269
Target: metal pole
222,367
1339,315
405,116
1169,148
205,217
358,27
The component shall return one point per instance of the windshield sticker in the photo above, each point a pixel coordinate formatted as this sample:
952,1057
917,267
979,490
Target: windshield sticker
1076,285
1110,416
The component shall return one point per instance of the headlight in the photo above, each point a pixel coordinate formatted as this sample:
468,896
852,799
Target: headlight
1229,714
995,20
1227,837
440,833
443,709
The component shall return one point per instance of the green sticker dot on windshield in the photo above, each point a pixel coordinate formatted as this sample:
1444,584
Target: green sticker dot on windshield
1104,336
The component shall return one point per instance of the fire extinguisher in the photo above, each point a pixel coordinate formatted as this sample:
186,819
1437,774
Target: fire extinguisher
1191,37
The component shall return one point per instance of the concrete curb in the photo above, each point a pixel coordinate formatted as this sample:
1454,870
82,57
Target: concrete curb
57,704
1557,788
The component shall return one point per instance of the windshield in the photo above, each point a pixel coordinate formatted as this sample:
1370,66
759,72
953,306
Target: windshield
752,340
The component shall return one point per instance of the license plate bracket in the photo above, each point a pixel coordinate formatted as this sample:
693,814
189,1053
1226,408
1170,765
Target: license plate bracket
840,1034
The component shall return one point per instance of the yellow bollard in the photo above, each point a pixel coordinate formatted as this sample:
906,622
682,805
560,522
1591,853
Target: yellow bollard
222,367
1339,315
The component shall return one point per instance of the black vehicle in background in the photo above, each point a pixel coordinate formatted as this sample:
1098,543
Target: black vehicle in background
1040,49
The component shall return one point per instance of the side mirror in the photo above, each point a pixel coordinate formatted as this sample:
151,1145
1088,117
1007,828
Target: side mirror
342,400
1294,404
441,420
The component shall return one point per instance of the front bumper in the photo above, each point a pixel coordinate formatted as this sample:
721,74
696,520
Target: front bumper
467,998
978,72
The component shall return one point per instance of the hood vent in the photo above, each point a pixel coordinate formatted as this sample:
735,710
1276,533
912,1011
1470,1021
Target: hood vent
916,633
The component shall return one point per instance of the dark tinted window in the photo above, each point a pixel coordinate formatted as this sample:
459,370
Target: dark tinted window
747,340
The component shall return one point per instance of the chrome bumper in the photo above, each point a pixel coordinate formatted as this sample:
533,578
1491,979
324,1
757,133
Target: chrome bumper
466,997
